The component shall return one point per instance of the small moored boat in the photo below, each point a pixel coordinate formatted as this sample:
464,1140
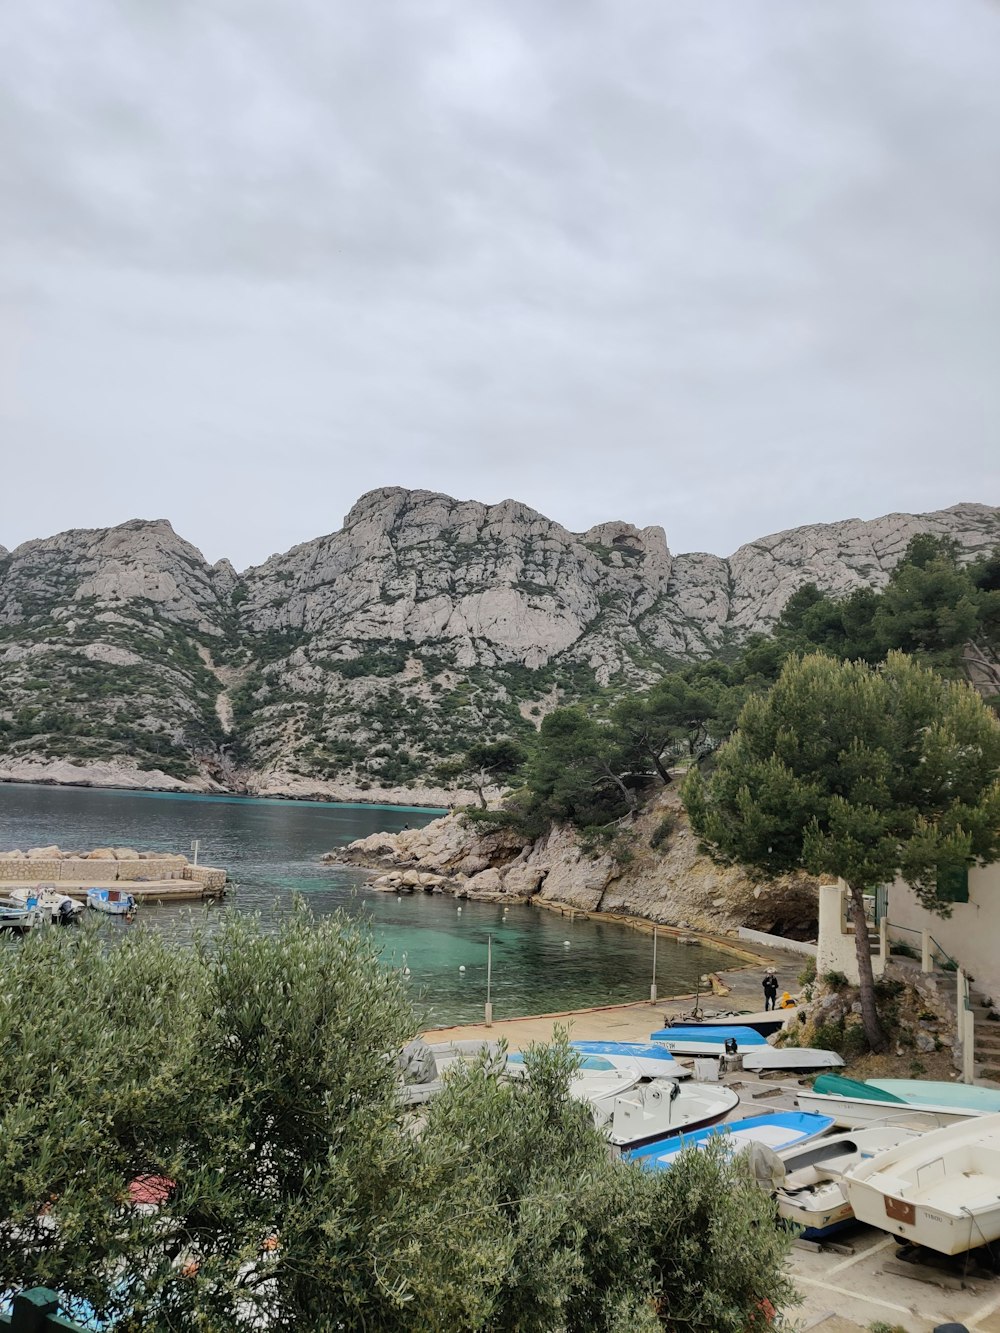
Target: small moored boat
765,1022
18,918
779,1130
651,1059
943,1191
852,1103
716,1040
113,901
59,907
657,1110
809,1178
920,1091
791,1057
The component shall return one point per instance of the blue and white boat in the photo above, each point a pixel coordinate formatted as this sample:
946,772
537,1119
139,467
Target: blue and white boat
17,917
779,1130
651,1059
697,1040
114,902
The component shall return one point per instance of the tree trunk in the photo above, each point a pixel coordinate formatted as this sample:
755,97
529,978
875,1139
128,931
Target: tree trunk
629,796
658,764
866,977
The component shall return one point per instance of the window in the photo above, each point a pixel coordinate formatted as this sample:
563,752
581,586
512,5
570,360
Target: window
953,884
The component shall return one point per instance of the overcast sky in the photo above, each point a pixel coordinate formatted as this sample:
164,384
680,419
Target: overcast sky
729,268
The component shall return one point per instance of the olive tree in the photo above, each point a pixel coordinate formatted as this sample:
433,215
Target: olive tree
212,1138
861,772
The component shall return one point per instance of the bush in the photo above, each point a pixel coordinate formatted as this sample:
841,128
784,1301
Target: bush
265,1095
663,831
835,980
808,974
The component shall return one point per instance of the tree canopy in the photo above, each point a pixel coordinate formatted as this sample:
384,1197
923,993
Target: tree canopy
861,772
248,1086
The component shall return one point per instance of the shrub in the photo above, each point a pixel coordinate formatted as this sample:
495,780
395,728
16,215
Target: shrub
663,831
835,980
808,974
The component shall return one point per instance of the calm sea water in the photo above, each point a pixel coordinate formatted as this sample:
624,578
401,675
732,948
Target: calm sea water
542,962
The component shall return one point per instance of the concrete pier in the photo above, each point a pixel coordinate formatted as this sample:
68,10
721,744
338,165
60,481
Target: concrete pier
148,876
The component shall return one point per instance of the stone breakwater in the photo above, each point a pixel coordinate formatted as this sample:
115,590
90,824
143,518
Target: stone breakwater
105,865
653,870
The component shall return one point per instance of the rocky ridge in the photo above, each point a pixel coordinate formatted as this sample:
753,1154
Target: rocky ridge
652,870
352,665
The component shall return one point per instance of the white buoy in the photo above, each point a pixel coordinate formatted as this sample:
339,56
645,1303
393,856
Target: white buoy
565,944
406,971
398,898
461,967
459,909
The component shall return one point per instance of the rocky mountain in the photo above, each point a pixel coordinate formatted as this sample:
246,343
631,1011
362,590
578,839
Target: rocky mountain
359,661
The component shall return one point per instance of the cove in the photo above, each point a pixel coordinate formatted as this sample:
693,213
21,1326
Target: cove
542,962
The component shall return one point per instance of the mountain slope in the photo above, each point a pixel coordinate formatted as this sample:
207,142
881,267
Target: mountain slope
370,655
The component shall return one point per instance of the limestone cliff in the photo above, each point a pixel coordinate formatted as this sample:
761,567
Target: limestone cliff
353,664
653,869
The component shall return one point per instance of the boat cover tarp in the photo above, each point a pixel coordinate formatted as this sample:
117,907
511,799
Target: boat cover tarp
836,1085
704,1033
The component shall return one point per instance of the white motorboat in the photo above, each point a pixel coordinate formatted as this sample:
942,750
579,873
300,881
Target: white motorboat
855,1112
115,902
943,1191
18,918
649,1057
662,1107
780,1129
791,1057
422,1065
59,907
808,1180
599,1082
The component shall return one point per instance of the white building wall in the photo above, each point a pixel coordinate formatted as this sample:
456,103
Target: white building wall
971,935
837,950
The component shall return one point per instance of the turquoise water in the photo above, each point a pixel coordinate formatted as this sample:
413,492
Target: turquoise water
542,962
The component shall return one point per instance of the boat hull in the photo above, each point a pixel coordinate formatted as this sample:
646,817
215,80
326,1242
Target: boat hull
855,1112
942,1192
653,1112
652,1060
777,1131
100,900
791,1057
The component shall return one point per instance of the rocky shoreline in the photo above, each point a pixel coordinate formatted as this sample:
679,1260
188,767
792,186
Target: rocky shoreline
122,776
654,873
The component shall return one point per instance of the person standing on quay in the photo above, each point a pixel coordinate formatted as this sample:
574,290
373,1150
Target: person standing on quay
770,984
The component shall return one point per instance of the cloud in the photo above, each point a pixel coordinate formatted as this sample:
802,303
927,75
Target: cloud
727,268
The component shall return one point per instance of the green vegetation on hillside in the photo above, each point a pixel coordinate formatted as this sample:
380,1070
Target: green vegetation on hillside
589,764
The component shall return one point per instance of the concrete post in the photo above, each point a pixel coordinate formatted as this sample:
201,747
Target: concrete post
926,964
968,1046
883,941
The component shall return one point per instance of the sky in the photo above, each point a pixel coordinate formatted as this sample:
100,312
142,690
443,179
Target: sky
728,268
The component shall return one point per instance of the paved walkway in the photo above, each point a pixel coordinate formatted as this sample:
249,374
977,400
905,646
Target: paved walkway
634,1022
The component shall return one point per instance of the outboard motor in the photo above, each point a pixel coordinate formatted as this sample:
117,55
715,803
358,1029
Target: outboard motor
67,912
731,1045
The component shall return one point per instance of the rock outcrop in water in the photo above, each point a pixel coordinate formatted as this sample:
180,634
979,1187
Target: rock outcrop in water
653,870
352,665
